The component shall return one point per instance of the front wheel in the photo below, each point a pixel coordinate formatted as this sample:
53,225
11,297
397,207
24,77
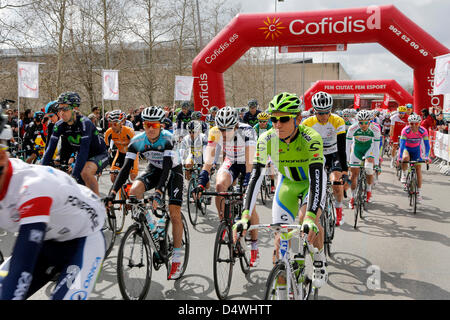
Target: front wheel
169,245
223,261
192,204
109,231
134,264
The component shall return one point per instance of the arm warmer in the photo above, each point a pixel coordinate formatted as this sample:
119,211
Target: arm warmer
316,187
24,256
342,153
254,185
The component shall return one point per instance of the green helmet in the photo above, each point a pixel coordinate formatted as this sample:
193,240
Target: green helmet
285,102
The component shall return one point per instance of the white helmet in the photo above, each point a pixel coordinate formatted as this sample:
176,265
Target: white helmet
347,113
227,117
364,115
153,114
322,101
414,118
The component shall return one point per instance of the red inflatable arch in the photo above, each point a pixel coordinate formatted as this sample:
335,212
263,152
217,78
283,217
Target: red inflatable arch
359,86
385,25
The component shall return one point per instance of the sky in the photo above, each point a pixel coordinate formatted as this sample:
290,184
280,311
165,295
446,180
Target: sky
367,61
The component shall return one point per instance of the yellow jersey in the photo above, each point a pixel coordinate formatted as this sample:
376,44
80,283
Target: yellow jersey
328,131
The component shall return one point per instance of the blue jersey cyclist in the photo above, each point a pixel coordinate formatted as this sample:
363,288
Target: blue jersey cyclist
157,146
84,137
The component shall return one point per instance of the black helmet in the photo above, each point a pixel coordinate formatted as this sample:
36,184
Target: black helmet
71,98
185,104
252,103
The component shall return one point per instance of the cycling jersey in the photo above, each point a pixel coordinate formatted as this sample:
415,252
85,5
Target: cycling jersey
160,154
258,129
328,131
300,163
32,132
49,209
251,119
210,120
193,150
349,122
183,119
362,144
414,140
233,149
83,136
121,139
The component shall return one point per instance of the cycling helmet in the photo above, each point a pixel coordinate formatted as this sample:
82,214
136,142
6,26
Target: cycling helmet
227,118
364,115
263,116
409,106
71,98
252,103
322,101
243,110
38,115
285,102
153,114
347,113
339,113
195,126
196,115
185,105
305,114
414,118
52,107
401,109
116,116
213,109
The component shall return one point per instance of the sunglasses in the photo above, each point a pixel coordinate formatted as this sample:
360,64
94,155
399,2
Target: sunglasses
263,121
154,125
225,129
363,122
322,113
282,119
64,108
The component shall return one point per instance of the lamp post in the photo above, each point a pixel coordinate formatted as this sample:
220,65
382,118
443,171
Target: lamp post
275,59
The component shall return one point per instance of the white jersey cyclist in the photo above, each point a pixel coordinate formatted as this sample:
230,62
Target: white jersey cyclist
59,224
193,150
363,144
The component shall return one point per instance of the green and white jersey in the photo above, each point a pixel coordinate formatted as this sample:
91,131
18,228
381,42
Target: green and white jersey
349,122
361,142
293,159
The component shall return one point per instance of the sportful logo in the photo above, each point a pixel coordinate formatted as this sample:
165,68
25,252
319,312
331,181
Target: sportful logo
272,28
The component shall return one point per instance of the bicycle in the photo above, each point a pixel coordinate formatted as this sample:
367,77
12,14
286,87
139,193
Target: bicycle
194,206
328,218
265,189
120,211
141,248
412,184
225,251
296,271
361,194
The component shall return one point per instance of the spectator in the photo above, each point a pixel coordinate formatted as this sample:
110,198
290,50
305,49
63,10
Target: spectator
138,123
427,120
95,115
441,124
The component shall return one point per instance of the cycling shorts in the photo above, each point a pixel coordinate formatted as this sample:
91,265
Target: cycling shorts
101,161
119,160
415,153
150,178
288,195
355,161
78,262
233,169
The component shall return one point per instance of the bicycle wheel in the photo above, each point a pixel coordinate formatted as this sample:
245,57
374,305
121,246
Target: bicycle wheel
223,261
324,222
134,264
356,205
168,245
262,192
191,204
276,277
331,217
244,255
413,193
120,211
109,231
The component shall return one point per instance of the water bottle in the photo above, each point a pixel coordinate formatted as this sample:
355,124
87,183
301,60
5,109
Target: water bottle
161,228
150,221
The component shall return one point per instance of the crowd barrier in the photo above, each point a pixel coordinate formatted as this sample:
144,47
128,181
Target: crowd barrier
440,150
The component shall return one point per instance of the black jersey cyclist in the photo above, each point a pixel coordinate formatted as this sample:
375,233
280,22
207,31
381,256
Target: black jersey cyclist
251,116
84,137
157,146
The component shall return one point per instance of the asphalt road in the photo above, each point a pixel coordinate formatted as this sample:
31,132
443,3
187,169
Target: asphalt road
393,254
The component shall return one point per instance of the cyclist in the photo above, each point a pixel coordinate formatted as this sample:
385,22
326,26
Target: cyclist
157,146
236,141
297,151
34,130
348,117
363,142
211,116
398,122
192,147
183,118
120,136
84,137
414,146
51,111
251,116
264,124
409,109
58,224
332,129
